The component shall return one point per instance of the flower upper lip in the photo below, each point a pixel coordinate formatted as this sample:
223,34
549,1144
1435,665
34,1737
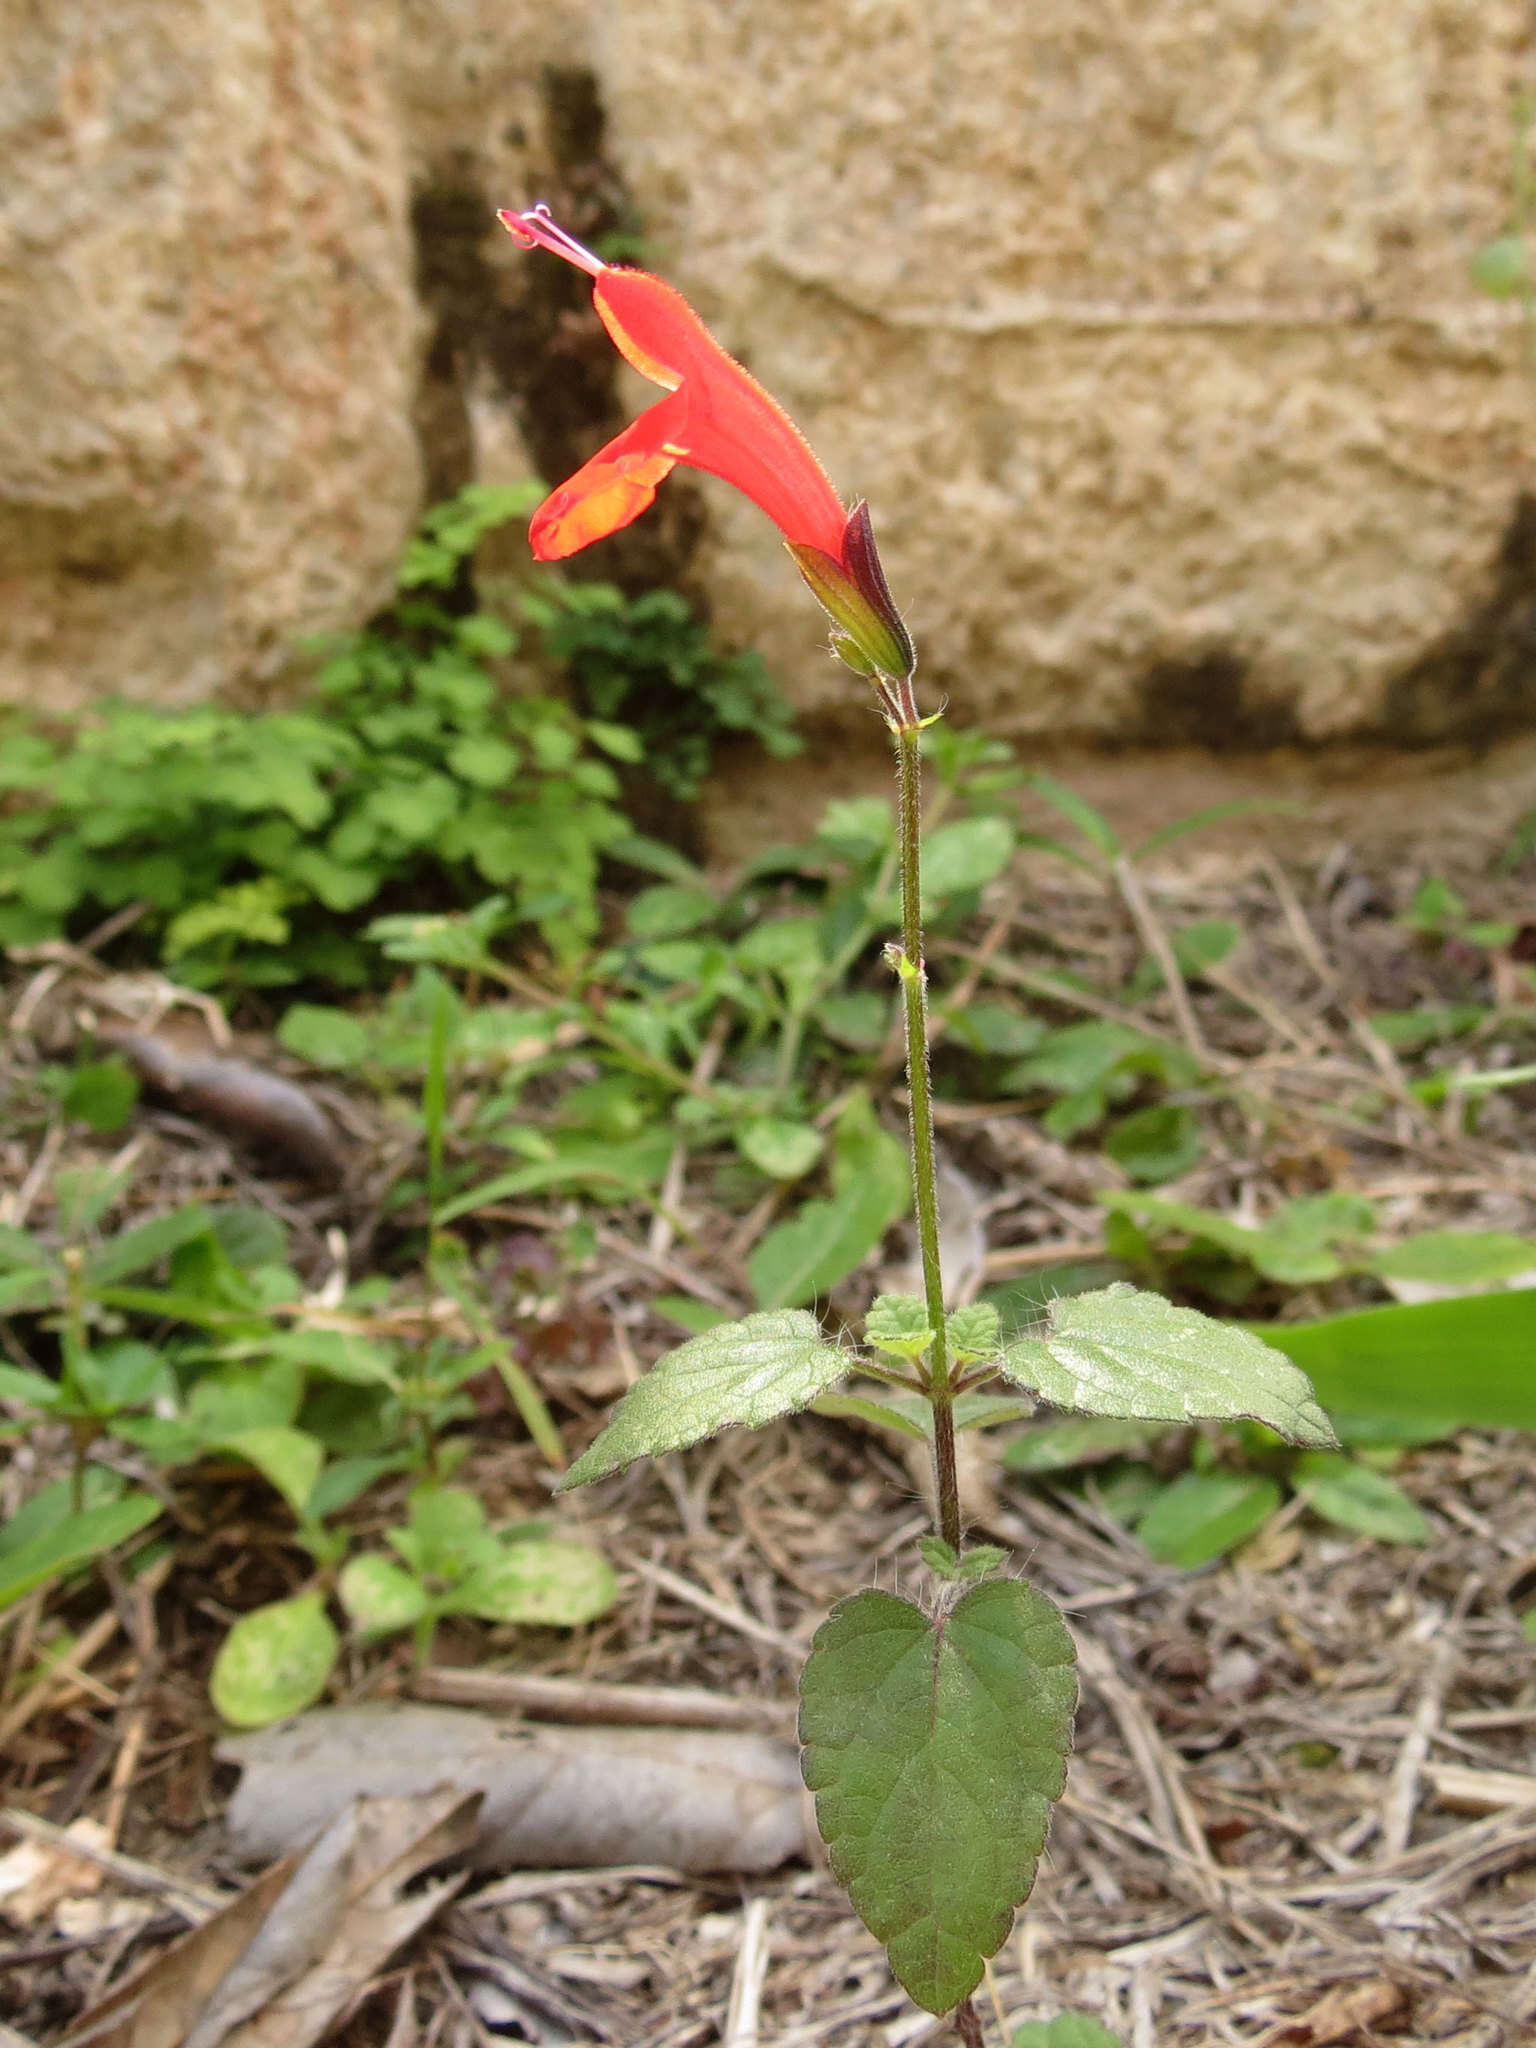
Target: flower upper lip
718,418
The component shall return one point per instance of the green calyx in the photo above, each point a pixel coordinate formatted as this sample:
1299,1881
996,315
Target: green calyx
863,638
870,635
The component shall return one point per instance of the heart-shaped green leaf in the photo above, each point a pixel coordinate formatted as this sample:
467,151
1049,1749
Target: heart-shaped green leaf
935,1747
1119,1351
749,1372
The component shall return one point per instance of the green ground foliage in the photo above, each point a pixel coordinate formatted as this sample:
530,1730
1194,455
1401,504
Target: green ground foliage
435,756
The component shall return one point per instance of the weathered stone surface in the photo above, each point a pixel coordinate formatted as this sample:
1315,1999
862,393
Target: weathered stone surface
1145,330
207,338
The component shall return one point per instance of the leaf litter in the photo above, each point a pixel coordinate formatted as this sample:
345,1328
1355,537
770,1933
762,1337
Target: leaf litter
1286,1821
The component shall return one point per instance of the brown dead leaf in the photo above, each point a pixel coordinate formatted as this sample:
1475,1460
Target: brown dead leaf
1347,2013
1271,1550
391,1848
155,2007
555,1797
237,1098
292,1938
276,1967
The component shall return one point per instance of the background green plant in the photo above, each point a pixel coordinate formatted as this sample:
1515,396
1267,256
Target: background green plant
223,1364
648,662
594,1087
277,1659
428,761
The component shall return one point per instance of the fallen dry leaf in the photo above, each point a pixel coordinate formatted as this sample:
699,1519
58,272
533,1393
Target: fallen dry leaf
235,1097
695,1799
390,1848
292,1938
277,1965
155,2007
1349,2012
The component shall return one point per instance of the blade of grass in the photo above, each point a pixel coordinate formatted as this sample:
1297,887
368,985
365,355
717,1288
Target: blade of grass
1467,1363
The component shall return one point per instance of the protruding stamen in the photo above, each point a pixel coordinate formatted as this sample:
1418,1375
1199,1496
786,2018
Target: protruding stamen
536,230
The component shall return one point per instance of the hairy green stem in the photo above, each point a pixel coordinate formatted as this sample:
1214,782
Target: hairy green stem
941,1394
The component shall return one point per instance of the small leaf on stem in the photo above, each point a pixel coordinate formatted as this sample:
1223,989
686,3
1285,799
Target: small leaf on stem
976,1564
898,1324
973,1332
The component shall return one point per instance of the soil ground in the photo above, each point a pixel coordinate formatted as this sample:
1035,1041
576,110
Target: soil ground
1302,1808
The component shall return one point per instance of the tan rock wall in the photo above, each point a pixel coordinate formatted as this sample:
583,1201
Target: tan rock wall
207,338
1145,329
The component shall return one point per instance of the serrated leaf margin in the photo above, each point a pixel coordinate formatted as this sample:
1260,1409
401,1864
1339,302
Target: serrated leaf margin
1071,1364
750,1372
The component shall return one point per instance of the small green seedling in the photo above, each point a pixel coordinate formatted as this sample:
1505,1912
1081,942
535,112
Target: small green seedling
1438,912
1232,1484
278,1659
451,1562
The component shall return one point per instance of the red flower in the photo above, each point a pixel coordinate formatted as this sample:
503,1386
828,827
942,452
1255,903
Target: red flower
719,419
